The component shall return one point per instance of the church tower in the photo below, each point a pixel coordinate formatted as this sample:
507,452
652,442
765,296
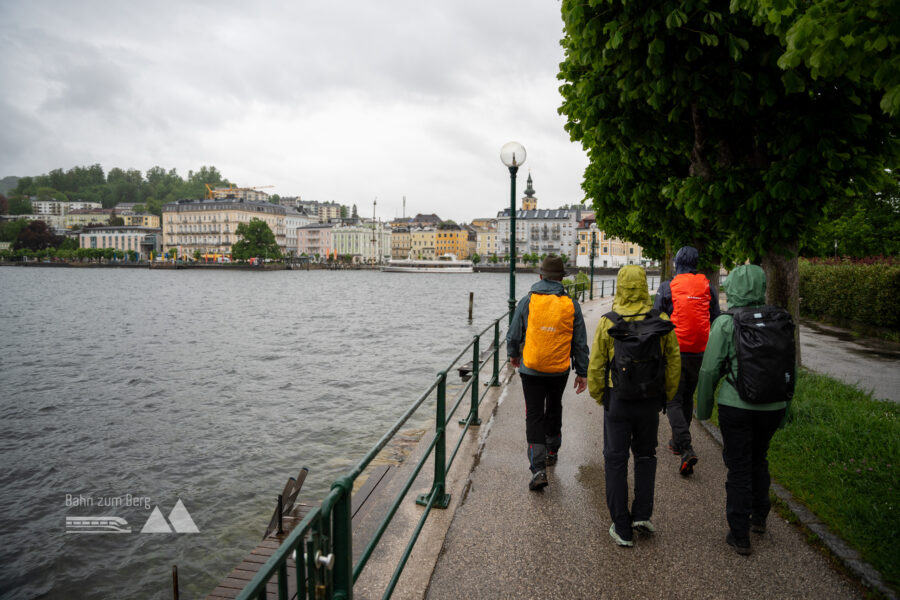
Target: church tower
529,202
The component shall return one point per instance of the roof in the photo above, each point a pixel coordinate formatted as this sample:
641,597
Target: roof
562,214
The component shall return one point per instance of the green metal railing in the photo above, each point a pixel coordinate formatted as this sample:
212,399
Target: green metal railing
320,549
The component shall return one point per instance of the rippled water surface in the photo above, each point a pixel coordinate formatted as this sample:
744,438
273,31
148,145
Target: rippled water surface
208,387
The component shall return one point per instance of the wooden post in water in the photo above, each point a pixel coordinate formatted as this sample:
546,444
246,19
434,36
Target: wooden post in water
471,298
174,582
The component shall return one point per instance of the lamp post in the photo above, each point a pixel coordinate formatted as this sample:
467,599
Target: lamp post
512,154
593,246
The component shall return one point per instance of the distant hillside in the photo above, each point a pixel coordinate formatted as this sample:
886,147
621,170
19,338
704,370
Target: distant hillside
8,183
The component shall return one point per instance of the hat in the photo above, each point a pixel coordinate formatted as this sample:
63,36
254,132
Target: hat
553,268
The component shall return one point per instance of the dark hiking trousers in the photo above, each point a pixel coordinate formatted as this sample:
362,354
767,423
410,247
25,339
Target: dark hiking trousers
680,409
630,427
543,416
745,441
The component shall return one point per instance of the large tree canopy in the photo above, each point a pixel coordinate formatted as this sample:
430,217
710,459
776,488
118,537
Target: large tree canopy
257,240
696,134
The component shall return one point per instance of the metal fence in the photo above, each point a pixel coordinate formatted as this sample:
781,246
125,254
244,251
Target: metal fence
319,549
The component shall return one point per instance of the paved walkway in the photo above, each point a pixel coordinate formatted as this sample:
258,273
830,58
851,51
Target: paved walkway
873,365
506,542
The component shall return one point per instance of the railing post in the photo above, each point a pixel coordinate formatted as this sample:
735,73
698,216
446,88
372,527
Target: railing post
342,541
473,407
441,500
495,381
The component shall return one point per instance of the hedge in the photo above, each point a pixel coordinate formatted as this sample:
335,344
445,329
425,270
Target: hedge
851,293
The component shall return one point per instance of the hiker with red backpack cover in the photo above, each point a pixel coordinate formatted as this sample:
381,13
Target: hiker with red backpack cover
692,303
633,372
546,339
752,346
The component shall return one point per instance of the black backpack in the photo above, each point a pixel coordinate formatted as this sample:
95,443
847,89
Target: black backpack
638,366
764,346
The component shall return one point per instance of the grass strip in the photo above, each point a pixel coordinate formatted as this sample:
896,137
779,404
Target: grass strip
840,456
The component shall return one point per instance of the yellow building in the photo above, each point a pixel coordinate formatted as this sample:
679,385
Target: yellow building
608,251
422,243
88,216
400,242
486,243
141,220
210,225
451,241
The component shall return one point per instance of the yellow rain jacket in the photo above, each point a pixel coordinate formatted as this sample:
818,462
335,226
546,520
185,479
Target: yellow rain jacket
631,298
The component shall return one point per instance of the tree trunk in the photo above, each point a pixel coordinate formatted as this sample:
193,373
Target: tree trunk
783,284
667,268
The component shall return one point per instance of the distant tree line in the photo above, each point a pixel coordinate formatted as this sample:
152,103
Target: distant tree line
90,184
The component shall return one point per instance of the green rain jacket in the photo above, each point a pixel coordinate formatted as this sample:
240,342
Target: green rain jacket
631,298
745,286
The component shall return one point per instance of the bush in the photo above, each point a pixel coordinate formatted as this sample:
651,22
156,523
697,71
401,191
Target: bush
863,292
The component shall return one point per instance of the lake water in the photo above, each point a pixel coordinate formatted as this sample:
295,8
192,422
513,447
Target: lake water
129,389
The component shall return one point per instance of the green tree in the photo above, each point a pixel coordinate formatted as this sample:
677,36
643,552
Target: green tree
4,205
20,205
694,133
256,240
9,231
475,258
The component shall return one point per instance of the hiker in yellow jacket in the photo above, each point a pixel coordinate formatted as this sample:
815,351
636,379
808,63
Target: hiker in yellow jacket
629,424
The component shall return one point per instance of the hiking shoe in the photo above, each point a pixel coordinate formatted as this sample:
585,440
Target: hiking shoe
619,540
552,457
538,482
644,526
757,525
688,460
742,547
673,448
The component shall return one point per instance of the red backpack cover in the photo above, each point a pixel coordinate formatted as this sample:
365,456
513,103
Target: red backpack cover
690,299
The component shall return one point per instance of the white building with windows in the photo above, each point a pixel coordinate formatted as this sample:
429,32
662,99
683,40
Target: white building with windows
142,240
293,220
539,231
363,241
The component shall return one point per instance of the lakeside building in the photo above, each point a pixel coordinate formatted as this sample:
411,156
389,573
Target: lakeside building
608,251
58,207
486,243
539,231
315,240
367,242
236,193
139,219
401,243
83,217
294,219
422,242
142,240
210,225
55,222
451,239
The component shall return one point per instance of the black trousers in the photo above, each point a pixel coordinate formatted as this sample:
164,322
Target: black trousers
630,427
746,435
543,416
680,409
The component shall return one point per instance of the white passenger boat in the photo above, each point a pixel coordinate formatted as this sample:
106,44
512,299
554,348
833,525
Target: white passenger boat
448,263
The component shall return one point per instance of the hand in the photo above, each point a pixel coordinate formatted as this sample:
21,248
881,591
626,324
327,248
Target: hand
580,384
514,362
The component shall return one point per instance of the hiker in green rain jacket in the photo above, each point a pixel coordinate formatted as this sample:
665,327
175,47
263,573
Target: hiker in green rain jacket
746,428
626,424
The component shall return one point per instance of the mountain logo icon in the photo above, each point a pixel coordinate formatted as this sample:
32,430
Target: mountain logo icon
179,521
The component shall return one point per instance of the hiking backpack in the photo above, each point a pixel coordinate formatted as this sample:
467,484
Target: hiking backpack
548,334
764,347
638,367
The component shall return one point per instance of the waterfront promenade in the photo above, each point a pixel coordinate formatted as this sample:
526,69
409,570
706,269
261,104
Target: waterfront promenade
498,540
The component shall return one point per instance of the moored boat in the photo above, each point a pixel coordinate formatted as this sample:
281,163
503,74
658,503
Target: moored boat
448,263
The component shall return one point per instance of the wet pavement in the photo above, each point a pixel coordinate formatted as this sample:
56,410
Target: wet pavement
873,365
507,542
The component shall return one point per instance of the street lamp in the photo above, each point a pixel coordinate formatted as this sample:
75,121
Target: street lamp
512,154
593,250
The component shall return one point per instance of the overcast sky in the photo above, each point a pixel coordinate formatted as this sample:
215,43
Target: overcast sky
343,101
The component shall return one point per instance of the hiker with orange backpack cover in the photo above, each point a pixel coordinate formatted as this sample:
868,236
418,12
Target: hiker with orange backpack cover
692,303
546,338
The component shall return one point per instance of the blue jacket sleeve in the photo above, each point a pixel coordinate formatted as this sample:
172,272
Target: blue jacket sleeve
515,338
580,352
663,300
